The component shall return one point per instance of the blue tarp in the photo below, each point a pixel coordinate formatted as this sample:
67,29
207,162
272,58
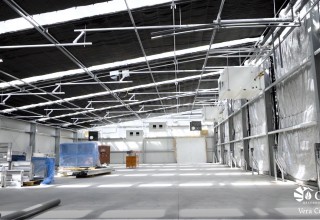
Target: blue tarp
44,167
79,154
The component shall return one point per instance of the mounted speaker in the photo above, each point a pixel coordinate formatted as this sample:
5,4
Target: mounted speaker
93,136
195,126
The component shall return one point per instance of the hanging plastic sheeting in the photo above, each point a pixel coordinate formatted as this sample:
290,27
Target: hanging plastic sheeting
227,154
218,144
238,132
237,153
296,101
226,148
258,126
295,49
236,104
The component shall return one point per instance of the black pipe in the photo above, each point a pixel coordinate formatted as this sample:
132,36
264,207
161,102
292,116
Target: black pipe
19,215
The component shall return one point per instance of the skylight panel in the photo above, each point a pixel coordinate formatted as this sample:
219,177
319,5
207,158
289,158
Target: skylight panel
76,13
57,75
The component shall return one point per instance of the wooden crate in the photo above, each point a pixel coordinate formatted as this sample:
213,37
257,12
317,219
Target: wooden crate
132,161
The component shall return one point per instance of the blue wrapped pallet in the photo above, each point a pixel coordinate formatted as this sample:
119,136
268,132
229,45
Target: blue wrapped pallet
79,154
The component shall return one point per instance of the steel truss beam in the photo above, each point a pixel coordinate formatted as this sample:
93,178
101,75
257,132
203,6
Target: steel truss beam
68,54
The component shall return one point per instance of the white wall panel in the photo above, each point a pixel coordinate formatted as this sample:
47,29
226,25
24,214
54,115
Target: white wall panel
20,141
160,157
209,144
118,157
159,144
66,140
191,150
159,150
46,130
44,144
66,133
14,124
123,145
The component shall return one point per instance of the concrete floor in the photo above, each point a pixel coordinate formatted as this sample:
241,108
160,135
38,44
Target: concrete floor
166,191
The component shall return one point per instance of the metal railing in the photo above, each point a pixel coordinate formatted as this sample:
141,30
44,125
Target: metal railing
254,162
215,157
243,164
278,164
233,159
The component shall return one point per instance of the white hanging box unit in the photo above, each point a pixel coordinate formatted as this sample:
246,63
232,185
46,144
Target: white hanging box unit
157,126
210,113
243,82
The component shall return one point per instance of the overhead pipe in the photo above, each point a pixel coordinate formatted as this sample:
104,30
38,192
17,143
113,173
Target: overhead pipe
225,24
208,53
142,49
137,28
36,88
66,52
180,32
45,45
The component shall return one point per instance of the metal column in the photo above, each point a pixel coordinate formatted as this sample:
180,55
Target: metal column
75,136
215,147
230,131
32,143
57,145
222,147
270,141
245,125
317,160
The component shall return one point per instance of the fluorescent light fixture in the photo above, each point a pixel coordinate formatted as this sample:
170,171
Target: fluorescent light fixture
1,60
57,75
66,109
115,186
92,83
45,45
37,93
112,101
76,13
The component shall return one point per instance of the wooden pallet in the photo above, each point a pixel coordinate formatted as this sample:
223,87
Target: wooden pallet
68,171
32,183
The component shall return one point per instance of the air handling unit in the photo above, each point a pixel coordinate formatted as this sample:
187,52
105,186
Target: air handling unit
240,82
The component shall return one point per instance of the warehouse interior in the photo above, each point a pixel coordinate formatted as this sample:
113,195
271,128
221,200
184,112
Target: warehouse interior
159,109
